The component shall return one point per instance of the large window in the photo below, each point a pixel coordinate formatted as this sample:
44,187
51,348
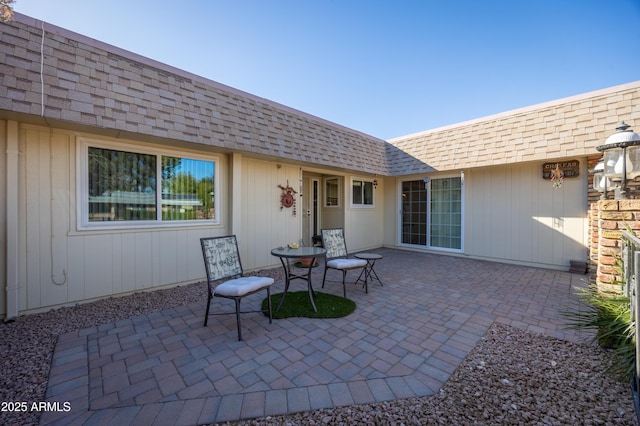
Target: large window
119,186
361,193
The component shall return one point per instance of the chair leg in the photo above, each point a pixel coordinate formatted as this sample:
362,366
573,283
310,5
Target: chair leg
238,318
344,287
366,285
269,303
325,275
206,315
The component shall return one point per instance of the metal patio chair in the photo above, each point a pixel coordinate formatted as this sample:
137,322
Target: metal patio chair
222,260
336,258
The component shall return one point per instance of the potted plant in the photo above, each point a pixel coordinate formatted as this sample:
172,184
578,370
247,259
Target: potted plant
305,262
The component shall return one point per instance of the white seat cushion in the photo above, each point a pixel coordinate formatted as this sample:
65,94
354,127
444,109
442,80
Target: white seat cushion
346,263
241,286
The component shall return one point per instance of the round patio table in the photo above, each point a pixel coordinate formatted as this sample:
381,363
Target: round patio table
285,254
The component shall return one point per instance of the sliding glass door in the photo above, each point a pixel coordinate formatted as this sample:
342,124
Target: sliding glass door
414,213
432,213
445,229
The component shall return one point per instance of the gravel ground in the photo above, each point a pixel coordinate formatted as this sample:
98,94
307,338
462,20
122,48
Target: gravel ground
511,376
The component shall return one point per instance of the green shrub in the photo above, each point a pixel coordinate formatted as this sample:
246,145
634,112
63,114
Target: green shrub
609,316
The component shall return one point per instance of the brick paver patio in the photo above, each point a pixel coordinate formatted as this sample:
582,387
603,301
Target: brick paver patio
404,340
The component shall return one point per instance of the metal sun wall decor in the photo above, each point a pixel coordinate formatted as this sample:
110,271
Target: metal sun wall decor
557,177
287,198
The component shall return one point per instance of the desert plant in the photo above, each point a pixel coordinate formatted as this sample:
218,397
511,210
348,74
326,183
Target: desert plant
609,316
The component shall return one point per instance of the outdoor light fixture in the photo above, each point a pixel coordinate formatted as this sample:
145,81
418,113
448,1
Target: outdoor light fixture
621,159
600,181
375,183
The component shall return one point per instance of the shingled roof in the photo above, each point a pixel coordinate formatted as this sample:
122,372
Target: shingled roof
55,77
562,128
100,88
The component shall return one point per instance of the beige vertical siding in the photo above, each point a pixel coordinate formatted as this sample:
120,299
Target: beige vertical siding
364,226
3,218
264,224
60,265
514,215
511,214
40,152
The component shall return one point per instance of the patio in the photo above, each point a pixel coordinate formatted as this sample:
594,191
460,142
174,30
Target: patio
405,339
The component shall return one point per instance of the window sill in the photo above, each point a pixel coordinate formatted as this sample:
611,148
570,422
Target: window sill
149,227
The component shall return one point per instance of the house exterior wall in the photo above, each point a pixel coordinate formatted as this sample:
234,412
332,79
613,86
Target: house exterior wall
264,224
514,215
4,208
59,264
364,226
511,214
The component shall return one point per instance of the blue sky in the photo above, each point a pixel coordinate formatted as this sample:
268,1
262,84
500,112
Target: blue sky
386,68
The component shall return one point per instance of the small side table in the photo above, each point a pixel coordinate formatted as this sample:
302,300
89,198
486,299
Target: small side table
369,270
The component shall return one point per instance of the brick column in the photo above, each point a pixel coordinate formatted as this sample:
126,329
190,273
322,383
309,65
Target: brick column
592,217
614,216
593,239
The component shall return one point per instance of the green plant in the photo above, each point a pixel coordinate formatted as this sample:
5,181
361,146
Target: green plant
609,316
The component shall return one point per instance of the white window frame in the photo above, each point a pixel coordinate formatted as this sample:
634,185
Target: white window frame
373,194
82,183
326,193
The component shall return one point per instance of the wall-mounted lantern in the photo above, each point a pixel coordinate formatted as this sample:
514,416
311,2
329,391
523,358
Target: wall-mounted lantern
621,159
600,181
426,182
375,183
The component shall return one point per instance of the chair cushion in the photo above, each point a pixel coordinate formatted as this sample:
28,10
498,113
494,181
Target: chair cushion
346,263
241,286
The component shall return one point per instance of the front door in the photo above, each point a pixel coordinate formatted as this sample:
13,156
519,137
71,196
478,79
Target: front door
310,216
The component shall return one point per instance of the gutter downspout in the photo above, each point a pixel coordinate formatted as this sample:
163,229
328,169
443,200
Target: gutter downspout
12,208
236,199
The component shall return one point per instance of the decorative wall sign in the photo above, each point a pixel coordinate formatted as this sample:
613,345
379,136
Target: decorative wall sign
287,198
557,172
557,177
